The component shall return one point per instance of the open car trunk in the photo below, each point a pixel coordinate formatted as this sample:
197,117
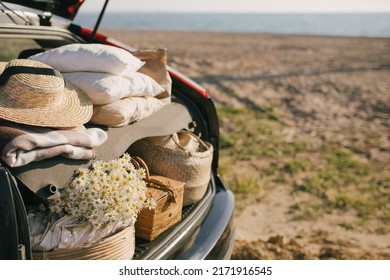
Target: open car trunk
57,171
22,186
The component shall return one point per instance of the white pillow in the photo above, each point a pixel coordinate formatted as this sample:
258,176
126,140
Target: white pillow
90,58
125,111
105,88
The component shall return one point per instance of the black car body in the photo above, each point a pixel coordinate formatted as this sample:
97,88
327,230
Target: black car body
206,230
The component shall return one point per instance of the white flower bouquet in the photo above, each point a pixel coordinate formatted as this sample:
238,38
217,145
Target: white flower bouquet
100,203
108,193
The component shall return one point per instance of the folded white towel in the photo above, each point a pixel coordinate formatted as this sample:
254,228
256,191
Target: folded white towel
20,145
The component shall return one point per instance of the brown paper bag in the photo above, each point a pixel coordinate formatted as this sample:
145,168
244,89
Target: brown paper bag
156,67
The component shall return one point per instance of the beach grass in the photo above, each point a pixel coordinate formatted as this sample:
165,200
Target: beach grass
337,179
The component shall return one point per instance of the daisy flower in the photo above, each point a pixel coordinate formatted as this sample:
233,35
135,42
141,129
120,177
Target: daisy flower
112,192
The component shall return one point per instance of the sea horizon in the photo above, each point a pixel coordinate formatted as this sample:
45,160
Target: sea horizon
338,24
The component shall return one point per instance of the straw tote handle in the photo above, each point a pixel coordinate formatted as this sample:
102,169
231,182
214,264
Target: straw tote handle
175,138
204,144
153,183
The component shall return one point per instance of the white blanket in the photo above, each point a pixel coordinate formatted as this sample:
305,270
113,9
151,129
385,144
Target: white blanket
20,145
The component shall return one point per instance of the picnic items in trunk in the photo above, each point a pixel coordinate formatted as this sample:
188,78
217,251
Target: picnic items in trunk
34,93
96,206
45,102
122,87
182,156
168,195
22,144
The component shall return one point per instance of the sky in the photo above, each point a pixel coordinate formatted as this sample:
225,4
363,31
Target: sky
253,6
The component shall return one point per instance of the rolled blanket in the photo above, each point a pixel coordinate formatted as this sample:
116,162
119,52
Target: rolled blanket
20,145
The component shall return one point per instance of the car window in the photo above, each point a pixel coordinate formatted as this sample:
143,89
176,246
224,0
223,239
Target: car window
11,48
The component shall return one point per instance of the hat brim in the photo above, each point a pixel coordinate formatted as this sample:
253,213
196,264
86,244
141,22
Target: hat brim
76,109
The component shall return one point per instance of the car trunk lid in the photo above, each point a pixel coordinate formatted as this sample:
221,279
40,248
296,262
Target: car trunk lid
63,8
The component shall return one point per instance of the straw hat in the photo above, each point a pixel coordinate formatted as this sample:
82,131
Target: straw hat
33,93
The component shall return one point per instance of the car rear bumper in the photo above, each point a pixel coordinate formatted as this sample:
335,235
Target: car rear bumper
214,239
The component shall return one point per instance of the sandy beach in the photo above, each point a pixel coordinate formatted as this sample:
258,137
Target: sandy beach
315,95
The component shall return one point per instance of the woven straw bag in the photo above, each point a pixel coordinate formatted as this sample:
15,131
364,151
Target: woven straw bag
119,246
182,156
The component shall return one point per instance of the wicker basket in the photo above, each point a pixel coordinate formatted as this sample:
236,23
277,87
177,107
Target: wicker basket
168,194
119,246
182,156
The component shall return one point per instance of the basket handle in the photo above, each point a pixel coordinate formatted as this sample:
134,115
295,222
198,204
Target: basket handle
138,163
153,183
175,138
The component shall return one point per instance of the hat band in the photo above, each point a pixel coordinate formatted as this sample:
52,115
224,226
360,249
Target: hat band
13,70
